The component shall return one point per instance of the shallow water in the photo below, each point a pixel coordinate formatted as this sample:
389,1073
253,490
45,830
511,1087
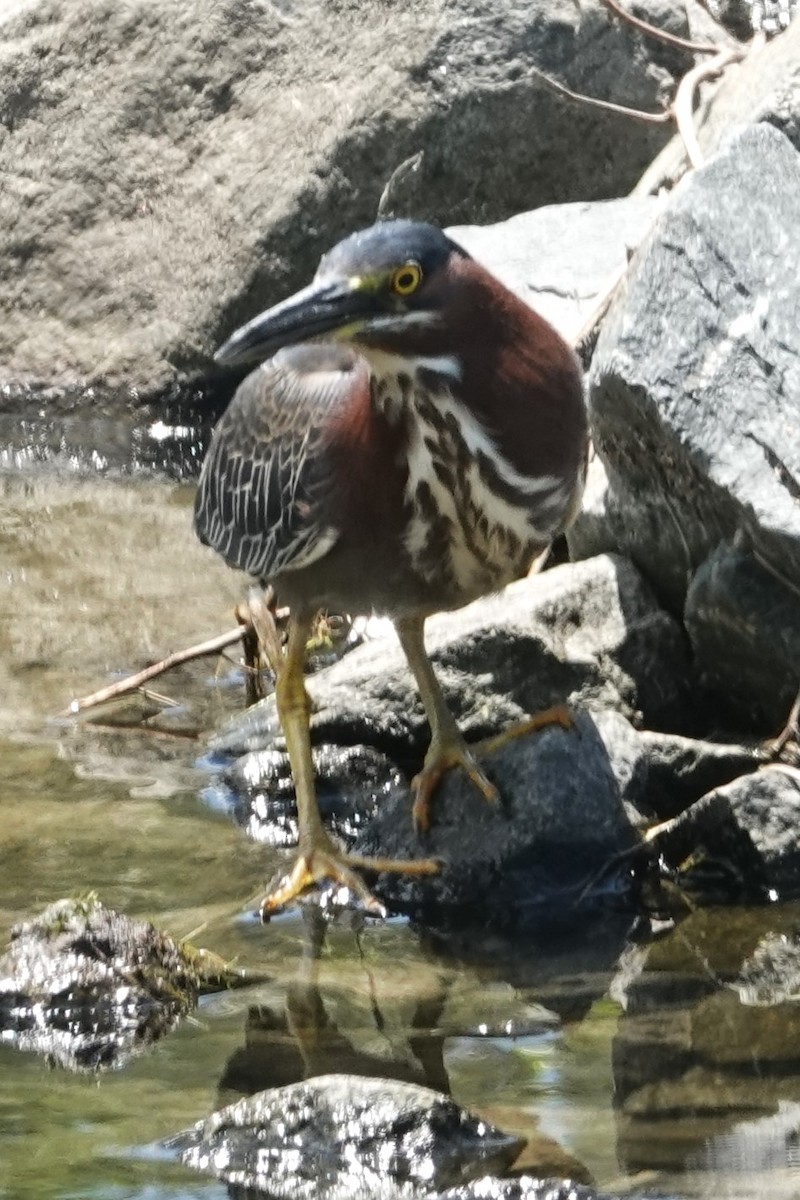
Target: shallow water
667,1060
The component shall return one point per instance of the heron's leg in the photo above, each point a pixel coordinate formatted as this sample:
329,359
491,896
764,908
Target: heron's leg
448,747
318,856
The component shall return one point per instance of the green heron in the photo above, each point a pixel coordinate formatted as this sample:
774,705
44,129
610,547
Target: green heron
414,439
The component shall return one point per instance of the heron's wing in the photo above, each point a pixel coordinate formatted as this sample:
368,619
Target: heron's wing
263,501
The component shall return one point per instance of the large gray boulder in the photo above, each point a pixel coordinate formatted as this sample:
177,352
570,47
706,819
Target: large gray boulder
695,387
169,169
696,380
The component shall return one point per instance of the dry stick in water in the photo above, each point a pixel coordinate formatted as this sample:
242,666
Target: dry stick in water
134,682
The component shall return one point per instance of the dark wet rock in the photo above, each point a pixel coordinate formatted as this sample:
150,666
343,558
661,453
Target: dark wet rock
661,774
259,792
654,776
560,824
626,758
681,770
524,1188
750,823
572,800
744,624
88,987
766,807
226,146
589,633
697,371
336,1136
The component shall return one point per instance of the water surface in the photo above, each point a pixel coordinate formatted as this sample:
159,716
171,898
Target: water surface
665,1059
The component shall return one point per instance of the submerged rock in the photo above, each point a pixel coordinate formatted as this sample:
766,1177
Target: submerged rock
339,1136
88,987
525,1188
258,791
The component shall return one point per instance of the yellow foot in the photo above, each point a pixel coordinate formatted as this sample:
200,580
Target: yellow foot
439,760
456,753
320,864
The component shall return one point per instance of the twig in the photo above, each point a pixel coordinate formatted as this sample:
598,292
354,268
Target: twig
789,733
152,731
133,683
587,335
636,114
683,104
671,39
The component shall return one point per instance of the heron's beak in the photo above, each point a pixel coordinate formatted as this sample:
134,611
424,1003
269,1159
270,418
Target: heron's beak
322,307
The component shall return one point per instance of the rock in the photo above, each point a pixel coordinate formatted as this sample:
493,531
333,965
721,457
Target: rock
89,987
168,171
750,823
626,758
590,533
681,770
588,633
764,87
524,1188
743,17
562,259
258,791
692,1048
336,1136
766,807
697,371
560,825
744,625
661,774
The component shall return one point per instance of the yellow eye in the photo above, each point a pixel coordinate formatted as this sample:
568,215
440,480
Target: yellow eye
406,279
